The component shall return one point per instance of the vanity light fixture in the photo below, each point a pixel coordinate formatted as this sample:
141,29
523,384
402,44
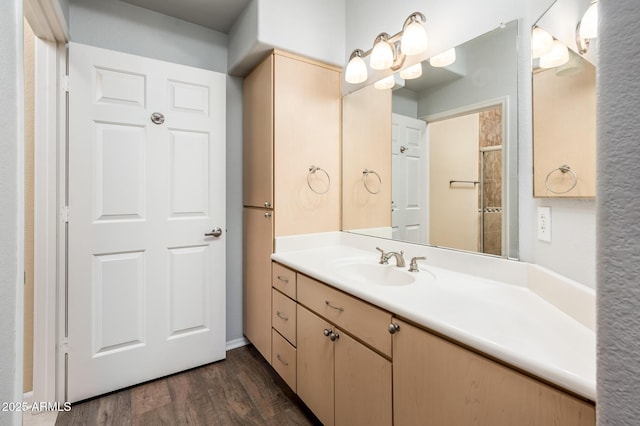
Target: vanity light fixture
443,59
356,71
414,71
386,83
558,55
389,52
541,42
587,28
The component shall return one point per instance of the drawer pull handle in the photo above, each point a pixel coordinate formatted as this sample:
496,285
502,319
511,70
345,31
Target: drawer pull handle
281,360
284,317
337,308
283,279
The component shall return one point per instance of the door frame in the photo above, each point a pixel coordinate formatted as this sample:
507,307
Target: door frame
508,244
50,27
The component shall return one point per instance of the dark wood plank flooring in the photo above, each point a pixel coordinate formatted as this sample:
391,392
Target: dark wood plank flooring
241,390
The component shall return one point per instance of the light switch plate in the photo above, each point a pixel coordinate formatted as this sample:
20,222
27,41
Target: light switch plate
544,224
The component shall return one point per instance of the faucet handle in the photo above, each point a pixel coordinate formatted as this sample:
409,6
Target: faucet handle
383,256
413,266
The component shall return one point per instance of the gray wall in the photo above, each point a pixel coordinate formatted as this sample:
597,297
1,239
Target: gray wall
405,102
307,27
112,24
11,199
618,218
115,25
64,5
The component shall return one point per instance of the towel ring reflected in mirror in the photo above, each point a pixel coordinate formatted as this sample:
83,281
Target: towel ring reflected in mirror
365,175
564,169
312,172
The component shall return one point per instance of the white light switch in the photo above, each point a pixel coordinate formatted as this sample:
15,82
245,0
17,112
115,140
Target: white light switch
544,224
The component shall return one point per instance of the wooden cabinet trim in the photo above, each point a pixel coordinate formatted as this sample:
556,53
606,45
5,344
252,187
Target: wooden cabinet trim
307,60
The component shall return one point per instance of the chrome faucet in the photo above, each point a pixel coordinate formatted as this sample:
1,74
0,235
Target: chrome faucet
384,257
413,265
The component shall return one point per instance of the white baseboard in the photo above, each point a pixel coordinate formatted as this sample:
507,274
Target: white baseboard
27,397
237,343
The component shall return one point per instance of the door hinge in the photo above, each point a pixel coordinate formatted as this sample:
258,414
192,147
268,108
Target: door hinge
65,214
64,83
64,346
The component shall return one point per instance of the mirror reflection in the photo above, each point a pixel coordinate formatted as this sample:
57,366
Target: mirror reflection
564,51
443,148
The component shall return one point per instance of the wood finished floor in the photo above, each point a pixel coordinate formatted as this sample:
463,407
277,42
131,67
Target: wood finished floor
241,390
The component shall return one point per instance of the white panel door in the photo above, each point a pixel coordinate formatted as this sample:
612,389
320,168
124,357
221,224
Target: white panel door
146,287
410,180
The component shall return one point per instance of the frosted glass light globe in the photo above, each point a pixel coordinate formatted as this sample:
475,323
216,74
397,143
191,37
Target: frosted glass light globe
559,55
589,23
541,42
382,55
385,83
356,71
414,39
443,59
414,71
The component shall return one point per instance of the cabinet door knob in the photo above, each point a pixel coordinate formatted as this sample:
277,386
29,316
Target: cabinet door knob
393,328
331,335
267,204
267,214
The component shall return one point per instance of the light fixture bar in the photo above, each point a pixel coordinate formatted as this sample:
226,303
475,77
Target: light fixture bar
393,40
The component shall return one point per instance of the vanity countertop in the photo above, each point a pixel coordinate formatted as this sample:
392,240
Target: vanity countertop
507,321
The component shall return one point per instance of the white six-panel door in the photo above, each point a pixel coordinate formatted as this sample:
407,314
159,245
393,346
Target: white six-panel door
410,180
146,287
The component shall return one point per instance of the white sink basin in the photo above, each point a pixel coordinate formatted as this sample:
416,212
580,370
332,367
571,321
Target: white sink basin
373,273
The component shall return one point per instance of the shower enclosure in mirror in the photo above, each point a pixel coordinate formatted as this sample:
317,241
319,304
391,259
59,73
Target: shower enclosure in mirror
564,102
444,151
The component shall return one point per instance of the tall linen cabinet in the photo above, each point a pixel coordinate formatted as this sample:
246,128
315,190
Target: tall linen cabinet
291,170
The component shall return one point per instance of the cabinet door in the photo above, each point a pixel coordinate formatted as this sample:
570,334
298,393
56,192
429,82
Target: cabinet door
440,383
362,384
366,135
257,111
306,133
258,246
315,365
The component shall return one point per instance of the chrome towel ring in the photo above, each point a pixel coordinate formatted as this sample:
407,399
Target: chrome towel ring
564,169
365,175
312,171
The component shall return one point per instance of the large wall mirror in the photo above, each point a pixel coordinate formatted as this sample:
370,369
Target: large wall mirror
433,160
564,100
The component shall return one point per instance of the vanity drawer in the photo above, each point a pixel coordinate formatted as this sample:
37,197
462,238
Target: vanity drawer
283,315
284,279
362,320
283,359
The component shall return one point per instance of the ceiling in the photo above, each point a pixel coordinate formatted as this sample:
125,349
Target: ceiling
218,15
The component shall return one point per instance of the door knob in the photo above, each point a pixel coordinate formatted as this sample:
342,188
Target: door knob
216,232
